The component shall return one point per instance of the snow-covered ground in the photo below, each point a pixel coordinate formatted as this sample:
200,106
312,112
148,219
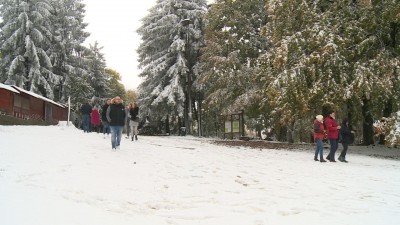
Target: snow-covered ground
60,175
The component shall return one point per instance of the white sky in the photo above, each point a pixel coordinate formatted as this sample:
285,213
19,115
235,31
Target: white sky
59,175
113,24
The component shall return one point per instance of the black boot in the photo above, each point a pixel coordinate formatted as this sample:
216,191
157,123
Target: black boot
342,159
316,158
322,160
135,137
328,158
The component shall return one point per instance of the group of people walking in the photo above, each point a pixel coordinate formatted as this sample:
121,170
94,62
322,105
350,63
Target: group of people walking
113,117
332,131
90,118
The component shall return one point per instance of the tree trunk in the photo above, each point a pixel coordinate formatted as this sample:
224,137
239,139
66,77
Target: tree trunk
167,126
290,133
352,123
368,131
180,124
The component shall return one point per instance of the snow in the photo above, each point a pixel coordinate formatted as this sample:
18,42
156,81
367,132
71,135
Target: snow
60,175
37,96
7,87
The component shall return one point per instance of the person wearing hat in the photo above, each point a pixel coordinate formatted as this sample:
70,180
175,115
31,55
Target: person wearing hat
319,134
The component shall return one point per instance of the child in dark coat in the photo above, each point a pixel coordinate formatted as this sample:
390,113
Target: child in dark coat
345,134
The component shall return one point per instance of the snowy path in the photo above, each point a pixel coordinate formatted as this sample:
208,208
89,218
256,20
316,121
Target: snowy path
59,175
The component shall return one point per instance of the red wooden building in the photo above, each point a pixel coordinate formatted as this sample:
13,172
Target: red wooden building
24,104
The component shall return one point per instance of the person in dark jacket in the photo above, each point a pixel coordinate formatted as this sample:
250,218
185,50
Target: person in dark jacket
128,119
86,109
319,134
345,134
134,120
333,134
106,125
116,116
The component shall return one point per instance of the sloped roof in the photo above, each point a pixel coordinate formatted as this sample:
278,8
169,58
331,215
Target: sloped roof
8,87
37,96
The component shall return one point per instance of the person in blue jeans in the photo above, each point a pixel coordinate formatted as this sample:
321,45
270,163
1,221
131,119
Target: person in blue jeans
319,134
116,116
86,109
332,130
106,126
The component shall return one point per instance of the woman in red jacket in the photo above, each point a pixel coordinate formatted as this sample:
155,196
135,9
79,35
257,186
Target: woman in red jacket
319,134
95,119
333,134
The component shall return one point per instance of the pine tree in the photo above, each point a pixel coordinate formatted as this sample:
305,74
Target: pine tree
300,68
370,48
230,58
98,76
26,35
336,54
69,34
79,89
171,38
114,83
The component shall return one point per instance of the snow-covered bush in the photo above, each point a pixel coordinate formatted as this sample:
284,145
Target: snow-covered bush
393,130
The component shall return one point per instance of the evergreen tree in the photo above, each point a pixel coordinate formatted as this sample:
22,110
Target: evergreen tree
171,38
97,73
336,54
115,85
26,34
299,70
230,58
79,89
371,49
69,34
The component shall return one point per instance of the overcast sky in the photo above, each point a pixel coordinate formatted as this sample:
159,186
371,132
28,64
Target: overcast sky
113,24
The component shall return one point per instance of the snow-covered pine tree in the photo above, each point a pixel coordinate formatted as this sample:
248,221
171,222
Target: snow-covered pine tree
24,40
96,68
368,42
78,88
300,66
171,36
333,53
77,84
69,34
230,59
